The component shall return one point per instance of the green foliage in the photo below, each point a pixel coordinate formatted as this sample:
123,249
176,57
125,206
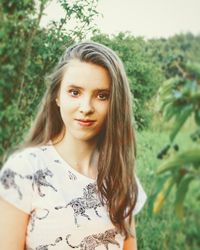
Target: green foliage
165,231
179,101
165,51
24,6
144,77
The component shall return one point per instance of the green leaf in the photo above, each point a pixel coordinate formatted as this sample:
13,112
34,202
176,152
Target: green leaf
181,193
186,111
158,186
162,195
187,157
197,116
169,112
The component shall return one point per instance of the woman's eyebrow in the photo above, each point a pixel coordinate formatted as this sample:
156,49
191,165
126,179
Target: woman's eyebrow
98,89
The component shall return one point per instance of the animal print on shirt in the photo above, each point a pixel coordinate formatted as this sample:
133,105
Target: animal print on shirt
92,241
34,155
43,148
57,161
46,247
40,180
8,180
90,200
69,173
40,215
72,176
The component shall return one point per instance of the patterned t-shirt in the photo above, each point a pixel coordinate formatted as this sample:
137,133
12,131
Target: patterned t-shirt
64,206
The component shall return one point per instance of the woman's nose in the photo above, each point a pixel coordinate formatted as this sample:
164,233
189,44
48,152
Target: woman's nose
86,106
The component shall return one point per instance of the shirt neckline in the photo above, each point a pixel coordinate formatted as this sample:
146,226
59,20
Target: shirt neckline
64,162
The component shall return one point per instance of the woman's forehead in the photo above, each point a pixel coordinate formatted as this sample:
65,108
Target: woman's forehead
84,75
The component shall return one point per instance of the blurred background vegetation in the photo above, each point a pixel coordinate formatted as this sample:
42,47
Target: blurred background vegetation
164,76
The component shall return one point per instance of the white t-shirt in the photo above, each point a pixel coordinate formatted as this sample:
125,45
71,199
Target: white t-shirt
64,207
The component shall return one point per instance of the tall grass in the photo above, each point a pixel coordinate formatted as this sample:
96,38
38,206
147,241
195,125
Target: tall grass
164,231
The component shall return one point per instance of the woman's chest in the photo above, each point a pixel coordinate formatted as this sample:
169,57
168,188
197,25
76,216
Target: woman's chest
66,213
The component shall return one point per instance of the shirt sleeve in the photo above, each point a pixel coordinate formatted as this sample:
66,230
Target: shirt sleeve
141,199
16,182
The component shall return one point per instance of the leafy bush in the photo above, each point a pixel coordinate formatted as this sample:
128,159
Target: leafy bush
180,100
164,231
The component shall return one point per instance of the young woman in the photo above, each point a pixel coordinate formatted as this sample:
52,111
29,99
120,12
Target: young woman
72,184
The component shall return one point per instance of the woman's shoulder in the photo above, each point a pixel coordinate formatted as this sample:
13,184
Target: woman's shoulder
28,156
17,177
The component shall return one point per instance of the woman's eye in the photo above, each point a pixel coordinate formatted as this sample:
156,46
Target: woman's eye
103,96
73,92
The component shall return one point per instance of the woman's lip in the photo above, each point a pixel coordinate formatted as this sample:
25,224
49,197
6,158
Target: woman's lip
85,120
84,123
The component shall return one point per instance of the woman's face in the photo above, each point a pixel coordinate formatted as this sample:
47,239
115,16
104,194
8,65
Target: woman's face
84,95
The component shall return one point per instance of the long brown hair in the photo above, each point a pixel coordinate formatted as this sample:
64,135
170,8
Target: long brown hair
116,180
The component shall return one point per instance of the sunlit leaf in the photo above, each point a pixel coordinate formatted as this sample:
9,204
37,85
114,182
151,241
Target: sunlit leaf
181,193
184,158
161,196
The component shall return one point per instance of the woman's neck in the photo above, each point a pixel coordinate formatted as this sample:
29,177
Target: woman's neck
81,155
